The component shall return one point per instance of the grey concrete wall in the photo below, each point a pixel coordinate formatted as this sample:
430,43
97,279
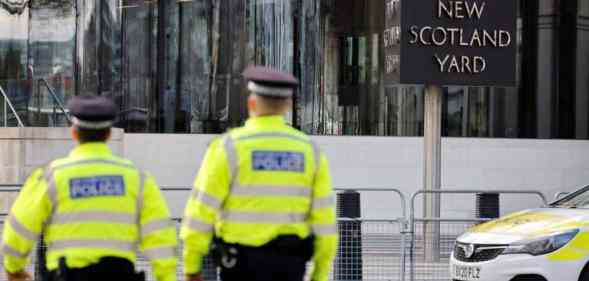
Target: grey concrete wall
359,162
356,162
24,149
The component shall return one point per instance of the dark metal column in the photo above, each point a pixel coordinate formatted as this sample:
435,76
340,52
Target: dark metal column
161,73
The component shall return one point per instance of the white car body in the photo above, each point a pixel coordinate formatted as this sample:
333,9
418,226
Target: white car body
483,242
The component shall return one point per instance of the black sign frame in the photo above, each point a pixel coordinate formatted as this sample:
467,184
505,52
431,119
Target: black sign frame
451,42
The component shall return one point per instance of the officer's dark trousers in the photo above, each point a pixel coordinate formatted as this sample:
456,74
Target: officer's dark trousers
108,269
280,260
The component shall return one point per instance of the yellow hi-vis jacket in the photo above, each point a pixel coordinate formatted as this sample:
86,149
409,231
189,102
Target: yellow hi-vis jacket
90,205
256,183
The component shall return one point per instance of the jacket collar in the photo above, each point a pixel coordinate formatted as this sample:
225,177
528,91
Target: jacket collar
266,121
91,149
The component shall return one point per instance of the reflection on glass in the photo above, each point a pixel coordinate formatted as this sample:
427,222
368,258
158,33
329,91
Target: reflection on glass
51,48
87,44
13,63
271,34
174,67
138,68
14,7
353,99
195,67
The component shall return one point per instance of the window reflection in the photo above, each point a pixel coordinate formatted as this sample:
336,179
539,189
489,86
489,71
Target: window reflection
358,102
138,67
13,61
51,46
174,67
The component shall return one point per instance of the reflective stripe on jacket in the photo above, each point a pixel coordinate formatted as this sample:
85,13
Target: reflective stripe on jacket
90,205
256,183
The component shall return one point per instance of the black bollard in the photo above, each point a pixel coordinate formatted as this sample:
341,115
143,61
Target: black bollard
348,264
487,205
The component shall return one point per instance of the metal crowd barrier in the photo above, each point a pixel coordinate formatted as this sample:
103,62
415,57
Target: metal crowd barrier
432,238
381,248
392,249
379,252
560,195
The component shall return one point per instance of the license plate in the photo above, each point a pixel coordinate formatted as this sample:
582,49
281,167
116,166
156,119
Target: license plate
466,273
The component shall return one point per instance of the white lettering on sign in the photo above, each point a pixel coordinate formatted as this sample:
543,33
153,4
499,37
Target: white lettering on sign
99,186
440,36
461,64
460,9
456,36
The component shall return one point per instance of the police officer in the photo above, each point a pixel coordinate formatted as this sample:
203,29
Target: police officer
93,208
263,196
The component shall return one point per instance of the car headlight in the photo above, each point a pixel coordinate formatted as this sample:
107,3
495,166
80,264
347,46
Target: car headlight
542,246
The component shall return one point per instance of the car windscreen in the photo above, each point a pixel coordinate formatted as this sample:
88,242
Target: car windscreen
577,199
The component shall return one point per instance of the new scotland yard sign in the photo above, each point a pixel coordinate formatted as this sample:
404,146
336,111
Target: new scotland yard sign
451,42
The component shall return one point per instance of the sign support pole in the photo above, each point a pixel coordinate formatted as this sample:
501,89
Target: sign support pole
432,168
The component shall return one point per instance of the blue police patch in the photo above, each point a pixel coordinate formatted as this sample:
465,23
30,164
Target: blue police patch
278,161
97,187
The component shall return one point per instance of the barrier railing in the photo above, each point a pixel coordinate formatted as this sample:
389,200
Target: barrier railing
370,248
382,247
7,105
57,102
393,248
560,195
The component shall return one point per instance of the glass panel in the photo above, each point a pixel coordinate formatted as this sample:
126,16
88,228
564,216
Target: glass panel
99,47
270,36
503,113
169,95
454,121
271,33
478,112
195,67
87,37
52,45
582,72
352,99
175,66
313,110
138,67
109,51
167,85
583,8
14,79
228,49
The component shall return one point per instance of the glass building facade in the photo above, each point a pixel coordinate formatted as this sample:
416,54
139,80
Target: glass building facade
174,66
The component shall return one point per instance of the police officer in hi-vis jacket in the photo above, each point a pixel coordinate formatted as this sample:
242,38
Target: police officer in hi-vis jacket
262,200
94,209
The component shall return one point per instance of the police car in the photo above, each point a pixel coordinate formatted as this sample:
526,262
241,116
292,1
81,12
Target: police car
546,244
